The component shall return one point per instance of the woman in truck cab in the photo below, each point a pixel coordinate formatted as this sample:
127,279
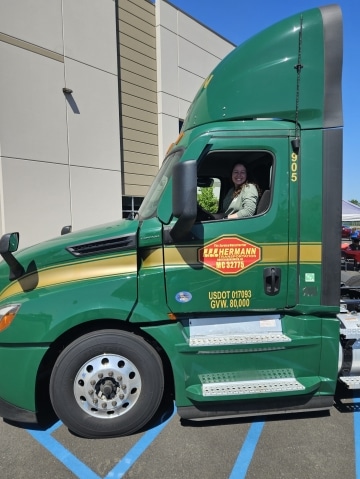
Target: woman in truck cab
241,200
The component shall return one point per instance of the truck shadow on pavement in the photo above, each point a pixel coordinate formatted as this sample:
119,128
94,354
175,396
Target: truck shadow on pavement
49,419
345,401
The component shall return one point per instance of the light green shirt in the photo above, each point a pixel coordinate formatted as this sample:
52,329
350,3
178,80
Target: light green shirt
244,204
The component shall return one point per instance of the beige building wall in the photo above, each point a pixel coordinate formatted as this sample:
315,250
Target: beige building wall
187,52
138,95
59,152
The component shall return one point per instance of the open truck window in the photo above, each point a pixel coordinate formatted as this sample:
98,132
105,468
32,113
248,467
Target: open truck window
214,180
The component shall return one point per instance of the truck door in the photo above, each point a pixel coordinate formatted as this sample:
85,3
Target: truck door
232,265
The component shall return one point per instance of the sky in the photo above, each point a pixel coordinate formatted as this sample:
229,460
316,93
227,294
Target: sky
238,20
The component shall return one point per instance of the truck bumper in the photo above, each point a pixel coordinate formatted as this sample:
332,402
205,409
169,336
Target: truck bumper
15,413
19,367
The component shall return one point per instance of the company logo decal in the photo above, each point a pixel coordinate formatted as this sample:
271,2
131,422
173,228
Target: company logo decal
229,255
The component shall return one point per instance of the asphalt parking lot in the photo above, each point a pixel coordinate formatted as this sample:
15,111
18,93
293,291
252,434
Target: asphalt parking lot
317,445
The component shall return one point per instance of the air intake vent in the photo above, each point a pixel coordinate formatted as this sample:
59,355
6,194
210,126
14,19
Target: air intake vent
103,246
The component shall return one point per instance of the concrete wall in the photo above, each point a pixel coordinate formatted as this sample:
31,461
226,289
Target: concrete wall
59,153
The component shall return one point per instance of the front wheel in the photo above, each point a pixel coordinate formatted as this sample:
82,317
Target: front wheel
106,384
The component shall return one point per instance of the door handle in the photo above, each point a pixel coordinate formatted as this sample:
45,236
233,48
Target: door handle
272,280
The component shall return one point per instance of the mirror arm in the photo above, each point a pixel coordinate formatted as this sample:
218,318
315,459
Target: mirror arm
8,244
16,270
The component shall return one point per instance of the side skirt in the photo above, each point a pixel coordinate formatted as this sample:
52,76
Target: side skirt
256,408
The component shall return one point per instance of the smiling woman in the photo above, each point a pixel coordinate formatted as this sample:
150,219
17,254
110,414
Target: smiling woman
240,179
242,198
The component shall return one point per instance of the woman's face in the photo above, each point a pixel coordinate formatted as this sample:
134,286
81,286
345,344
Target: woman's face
239,175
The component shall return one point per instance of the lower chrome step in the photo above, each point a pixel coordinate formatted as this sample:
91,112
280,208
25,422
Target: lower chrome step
251,387
259,338
351,382
267,382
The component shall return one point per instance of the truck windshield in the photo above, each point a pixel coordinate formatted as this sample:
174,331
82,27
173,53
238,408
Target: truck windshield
149,205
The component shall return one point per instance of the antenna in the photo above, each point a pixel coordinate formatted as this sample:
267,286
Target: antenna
295,143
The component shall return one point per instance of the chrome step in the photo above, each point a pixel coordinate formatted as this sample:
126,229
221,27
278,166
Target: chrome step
246,338
351,382
349,325
251,387
267,381
239,330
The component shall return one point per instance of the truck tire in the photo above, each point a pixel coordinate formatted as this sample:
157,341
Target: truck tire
107,383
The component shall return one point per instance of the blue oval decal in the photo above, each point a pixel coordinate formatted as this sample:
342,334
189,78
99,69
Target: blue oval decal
183,297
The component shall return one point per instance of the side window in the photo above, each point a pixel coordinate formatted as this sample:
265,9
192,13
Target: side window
208,194
234,184
131,205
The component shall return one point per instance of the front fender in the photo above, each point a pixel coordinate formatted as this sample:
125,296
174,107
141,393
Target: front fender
47,313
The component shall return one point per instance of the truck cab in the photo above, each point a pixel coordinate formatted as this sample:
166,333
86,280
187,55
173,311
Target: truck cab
232,316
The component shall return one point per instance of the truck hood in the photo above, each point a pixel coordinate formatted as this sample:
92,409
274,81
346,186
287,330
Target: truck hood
100,241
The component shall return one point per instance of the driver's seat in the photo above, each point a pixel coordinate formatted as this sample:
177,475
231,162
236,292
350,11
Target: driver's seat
264,203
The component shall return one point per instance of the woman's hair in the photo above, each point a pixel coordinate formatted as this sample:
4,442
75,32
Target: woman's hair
238,189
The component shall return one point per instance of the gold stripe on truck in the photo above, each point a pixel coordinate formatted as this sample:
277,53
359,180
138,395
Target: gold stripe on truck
270,253
72,272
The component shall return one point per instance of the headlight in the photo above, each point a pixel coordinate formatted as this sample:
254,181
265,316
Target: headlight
7,314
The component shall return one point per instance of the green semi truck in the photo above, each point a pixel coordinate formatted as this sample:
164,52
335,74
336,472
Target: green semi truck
230,317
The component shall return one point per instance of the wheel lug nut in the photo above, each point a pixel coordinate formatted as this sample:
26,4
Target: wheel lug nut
123,386
119,378
113,403
92,383
91,392
100,375
111,374
95,401
121,396
103,405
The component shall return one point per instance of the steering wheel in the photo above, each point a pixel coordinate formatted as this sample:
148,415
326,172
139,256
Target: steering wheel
204,215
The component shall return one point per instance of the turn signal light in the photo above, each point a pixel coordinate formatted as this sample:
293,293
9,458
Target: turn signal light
7,314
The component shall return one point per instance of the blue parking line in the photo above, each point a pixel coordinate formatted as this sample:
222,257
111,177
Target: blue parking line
356,415
136,451
79,469
53,428
247,451
357,443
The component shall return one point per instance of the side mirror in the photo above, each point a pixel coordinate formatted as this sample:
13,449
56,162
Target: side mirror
184,197
9,243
